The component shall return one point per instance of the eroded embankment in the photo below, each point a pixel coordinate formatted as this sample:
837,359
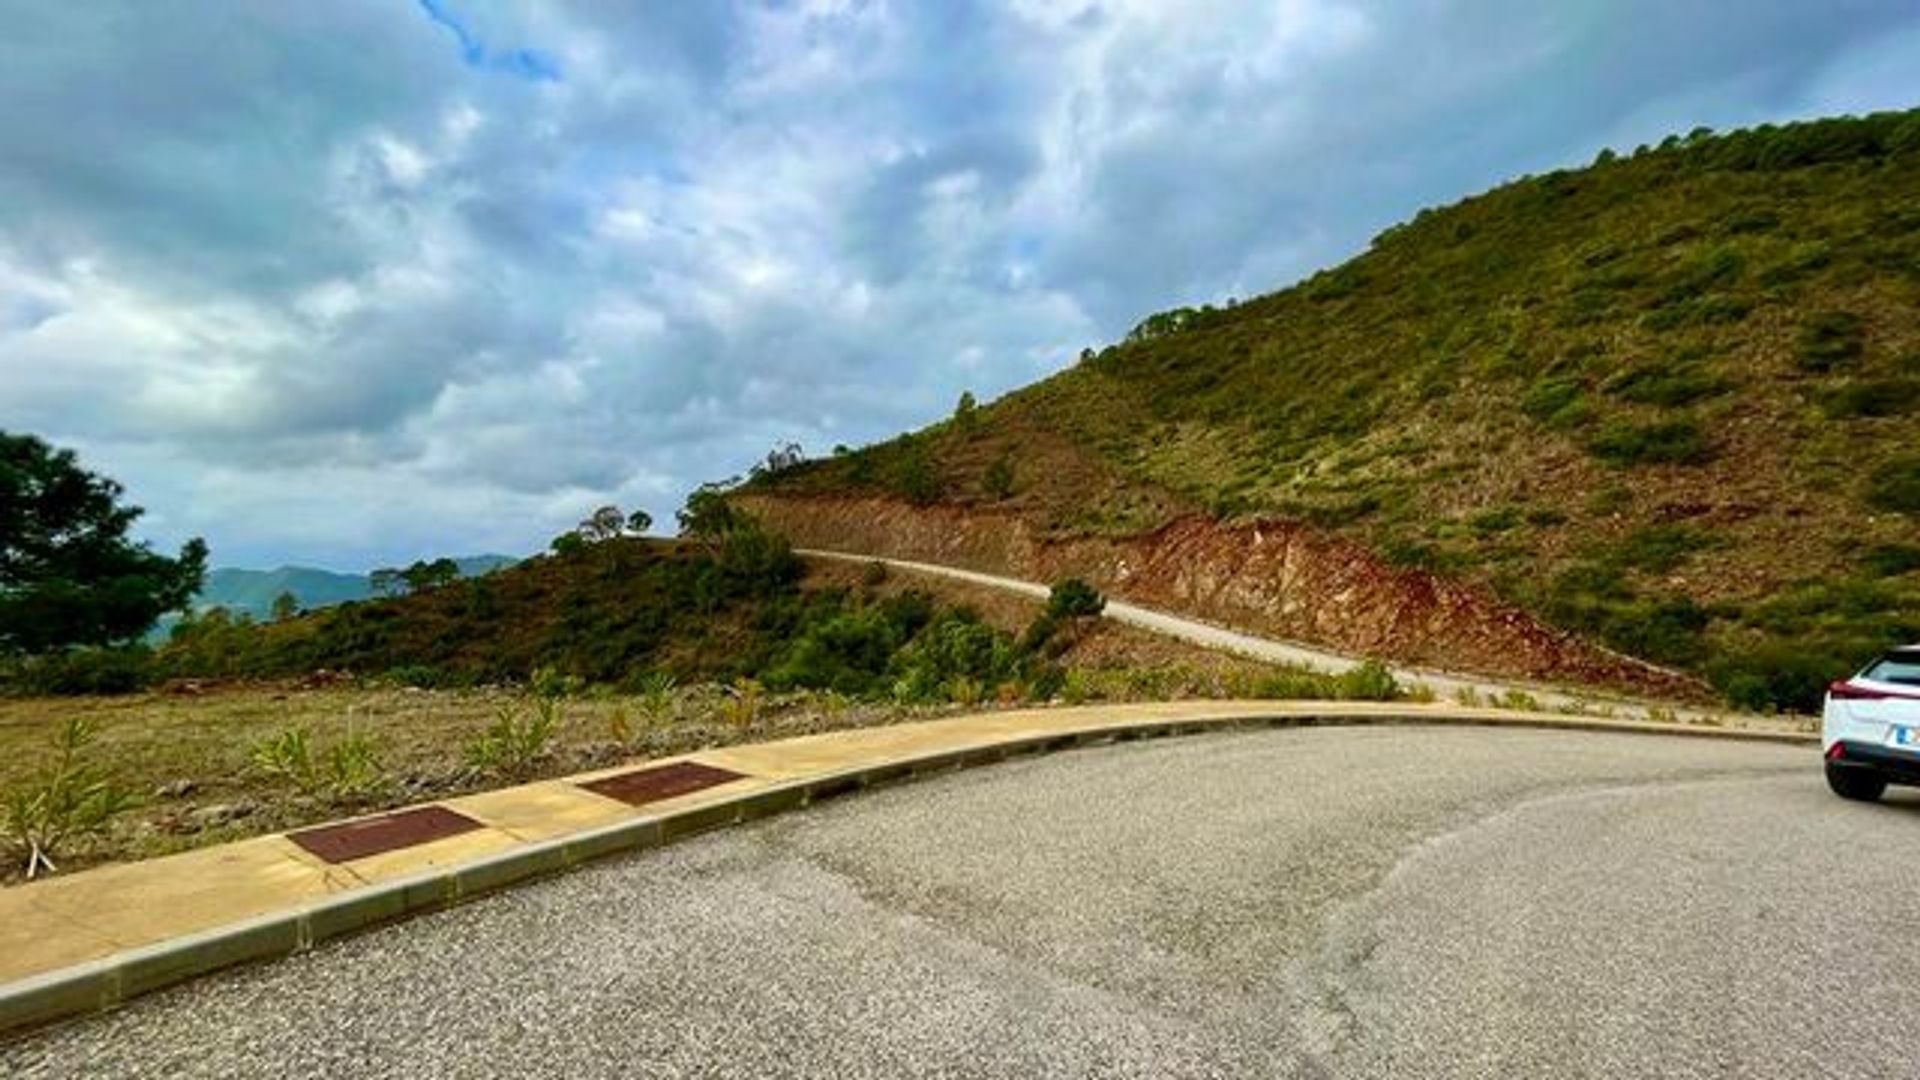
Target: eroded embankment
1276,577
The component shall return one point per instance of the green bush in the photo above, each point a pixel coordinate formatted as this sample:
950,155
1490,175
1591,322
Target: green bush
1667,384
1892,560
1075,599
1371,681
1667,442
1895,486
1870,398
1831,340
86,671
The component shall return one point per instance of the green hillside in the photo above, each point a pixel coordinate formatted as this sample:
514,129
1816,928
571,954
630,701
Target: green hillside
252,592
1670,402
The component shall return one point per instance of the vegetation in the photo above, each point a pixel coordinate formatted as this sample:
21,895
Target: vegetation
69,798
1721,332
69,574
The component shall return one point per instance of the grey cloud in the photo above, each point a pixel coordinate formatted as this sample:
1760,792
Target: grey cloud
320,289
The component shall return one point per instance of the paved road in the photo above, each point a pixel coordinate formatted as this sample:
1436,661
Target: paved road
1318,903
1450,685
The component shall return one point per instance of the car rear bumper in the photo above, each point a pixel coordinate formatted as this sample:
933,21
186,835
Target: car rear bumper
1897,766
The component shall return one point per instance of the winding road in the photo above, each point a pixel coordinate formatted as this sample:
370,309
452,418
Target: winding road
1453,686
1319,902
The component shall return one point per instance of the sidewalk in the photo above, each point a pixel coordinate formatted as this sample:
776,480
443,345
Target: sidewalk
96,938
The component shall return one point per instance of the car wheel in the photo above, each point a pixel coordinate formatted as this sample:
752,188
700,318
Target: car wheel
1852,782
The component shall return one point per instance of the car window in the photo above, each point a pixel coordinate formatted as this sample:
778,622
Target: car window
1900,667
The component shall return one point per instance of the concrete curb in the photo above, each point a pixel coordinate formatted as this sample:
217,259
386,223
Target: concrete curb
110,981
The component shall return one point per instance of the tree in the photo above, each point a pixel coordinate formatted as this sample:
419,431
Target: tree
423,575
963,411
606,523
708,515
387,581
639,522
68,573
285,606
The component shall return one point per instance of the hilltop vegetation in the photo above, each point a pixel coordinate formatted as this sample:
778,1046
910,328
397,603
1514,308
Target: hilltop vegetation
1667,402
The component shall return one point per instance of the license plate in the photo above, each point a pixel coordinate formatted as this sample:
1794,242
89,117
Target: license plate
1905,736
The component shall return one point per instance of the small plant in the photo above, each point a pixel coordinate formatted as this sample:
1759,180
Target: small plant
68,799
348,769
1520,701
1371,681
741,705
656,694
1660,714
874,574
288,756
518,738
620,726
1468,698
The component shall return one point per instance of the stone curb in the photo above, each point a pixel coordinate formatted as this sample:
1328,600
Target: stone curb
110,981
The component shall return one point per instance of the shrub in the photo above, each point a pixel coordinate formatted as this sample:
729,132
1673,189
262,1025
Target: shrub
1895,486
1831,340
348,769
1892,560
1665,442
86,671
70,797
518,738
997,482
1667,384
1074,599
1371,681
1870,398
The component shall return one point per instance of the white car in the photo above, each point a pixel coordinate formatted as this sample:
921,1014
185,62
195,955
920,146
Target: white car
1870,731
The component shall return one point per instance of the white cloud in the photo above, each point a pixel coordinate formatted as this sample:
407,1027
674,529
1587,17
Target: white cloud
387,303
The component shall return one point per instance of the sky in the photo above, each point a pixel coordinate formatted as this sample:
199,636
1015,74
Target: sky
359,282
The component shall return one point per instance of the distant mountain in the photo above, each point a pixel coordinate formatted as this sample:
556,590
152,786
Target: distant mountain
253,592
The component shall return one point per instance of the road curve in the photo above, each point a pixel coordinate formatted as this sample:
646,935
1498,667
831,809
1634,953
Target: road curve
1316,902
1450,685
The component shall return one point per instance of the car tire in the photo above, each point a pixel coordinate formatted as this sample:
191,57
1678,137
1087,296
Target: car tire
1853,782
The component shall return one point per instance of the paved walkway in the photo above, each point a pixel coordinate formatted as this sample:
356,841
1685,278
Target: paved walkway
94,938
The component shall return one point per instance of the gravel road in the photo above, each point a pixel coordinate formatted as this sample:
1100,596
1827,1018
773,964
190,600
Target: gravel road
1318,903
1452,686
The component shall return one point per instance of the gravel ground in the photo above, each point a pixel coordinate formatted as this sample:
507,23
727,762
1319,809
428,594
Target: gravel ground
1324,902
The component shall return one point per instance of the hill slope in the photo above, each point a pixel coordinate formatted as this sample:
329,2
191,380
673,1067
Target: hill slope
1669,404
253,592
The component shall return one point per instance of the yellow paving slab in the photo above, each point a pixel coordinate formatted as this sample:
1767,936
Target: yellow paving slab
134,904
33,940
535,812
448,851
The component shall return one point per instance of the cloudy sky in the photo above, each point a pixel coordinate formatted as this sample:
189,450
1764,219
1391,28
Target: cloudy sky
360,281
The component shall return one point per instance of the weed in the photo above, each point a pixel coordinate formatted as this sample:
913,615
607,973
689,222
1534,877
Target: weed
740,706
68,799
518,738
347,769
1519,701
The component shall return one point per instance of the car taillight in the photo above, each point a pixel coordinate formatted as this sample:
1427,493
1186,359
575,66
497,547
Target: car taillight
1846,691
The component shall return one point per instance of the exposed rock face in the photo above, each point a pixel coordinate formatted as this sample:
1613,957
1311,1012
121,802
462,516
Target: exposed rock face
1281,577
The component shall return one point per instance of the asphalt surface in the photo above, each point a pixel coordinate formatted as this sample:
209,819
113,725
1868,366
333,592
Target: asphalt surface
1320,903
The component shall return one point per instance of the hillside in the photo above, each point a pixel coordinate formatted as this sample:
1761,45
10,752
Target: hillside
252,592
1665,405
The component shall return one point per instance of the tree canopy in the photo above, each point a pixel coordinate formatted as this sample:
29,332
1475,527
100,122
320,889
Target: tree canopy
69,574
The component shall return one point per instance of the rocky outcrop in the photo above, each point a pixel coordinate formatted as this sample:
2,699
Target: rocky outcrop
1279,577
